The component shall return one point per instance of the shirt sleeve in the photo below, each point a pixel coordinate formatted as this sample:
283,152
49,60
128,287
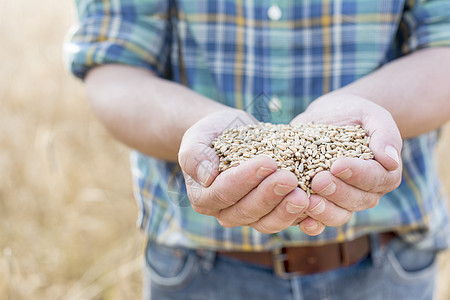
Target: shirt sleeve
425,23
132,32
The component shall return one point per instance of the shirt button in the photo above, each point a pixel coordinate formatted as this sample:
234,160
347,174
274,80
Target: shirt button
275,104
274,12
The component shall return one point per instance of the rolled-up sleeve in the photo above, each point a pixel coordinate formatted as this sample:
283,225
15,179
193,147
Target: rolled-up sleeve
425,24
132,32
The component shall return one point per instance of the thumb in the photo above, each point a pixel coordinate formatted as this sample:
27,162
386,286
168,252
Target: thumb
304,118
196,157
385,139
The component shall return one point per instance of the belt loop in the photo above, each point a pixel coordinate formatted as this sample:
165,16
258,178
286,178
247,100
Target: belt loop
345,257
376,251
207,259
279,257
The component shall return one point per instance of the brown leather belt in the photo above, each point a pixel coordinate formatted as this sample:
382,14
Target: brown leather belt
311,259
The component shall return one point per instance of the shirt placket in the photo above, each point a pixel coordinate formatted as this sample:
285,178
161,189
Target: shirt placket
264,103
278,49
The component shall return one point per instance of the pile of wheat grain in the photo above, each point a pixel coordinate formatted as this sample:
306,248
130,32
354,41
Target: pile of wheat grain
304,149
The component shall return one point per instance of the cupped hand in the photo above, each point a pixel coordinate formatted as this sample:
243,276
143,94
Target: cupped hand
352,184
254,193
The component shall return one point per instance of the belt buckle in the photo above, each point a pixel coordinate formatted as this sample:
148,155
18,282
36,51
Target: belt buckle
279,259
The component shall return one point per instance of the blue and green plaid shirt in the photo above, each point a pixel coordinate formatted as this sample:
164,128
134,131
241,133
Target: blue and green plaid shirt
271,58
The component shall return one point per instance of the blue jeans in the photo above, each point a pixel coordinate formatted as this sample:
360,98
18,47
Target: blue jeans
395,271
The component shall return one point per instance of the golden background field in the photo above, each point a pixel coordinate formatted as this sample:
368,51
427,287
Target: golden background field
67,214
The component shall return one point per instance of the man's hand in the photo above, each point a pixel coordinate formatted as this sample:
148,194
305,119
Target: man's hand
254,193
352,184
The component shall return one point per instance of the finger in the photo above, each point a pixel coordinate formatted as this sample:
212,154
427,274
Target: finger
293,205
299,219
233,184
366,175
342,194
195,192
326,212
311,227
260,201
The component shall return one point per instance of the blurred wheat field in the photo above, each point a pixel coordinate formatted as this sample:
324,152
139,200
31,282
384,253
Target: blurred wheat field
67,214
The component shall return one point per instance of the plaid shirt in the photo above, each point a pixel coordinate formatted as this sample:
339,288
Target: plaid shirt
271,58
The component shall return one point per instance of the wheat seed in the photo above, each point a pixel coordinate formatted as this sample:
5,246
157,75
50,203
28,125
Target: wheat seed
304,149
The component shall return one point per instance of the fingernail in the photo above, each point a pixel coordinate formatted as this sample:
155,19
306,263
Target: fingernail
204,170
344,174
263,172
328,190
282,190
312,227
294,209
392,153
319,208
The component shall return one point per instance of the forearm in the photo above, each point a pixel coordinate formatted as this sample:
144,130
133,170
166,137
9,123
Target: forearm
143,111
414,89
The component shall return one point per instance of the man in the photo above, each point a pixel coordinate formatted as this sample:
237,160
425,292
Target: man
166,77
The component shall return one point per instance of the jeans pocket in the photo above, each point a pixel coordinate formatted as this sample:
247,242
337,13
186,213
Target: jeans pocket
410,264
171,268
